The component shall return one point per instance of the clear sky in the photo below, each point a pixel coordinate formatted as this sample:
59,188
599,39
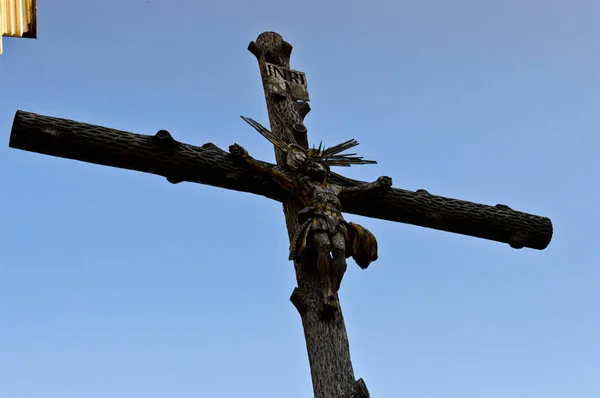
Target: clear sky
118,284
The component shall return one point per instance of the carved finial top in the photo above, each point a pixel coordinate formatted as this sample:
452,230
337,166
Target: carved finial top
270,47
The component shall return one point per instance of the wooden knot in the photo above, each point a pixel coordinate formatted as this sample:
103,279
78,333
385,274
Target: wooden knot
173,180
301,300
299,128
212,147
164,139
358,389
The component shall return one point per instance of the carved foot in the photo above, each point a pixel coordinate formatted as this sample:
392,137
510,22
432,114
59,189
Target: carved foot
330,305
330,300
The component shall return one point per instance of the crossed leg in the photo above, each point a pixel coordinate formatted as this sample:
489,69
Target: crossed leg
323,246
331,271
338,266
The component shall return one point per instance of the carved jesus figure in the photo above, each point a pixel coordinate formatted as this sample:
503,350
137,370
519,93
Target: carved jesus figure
323,229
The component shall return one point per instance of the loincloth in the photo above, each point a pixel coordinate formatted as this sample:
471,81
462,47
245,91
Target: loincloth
360,243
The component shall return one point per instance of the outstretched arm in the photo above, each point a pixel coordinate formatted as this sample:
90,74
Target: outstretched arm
242,154
382,182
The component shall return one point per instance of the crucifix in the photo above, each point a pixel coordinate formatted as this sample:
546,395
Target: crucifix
313,198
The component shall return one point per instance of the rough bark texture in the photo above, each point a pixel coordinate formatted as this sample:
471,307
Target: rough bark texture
210,165
326,339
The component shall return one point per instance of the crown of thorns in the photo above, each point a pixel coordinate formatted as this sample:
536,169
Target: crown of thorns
297,157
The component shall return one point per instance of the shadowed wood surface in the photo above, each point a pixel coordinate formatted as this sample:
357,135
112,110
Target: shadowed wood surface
210,165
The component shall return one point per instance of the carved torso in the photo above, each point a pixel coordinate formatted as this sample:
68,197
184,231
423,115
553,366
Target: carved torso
323,198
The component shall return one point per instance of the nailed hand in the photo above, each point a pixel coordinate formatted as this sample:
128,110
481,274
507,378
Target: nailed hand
384,182
238,151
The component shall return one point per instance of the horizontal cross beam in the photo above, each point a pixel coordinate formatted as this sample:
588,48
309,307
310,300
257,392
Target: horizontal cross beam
162,155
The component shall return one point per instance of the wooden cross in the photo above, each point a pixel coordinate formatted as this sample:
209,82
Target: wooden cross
286,95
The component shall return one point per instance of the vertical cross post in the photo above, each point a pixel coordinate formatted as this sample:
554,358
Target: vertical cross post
326,338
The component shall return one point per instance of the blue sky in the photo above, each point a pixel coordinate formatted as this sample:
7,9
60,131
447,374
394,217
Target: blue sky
116,283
